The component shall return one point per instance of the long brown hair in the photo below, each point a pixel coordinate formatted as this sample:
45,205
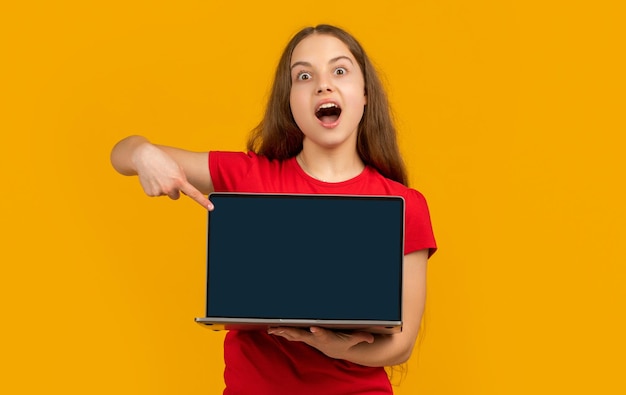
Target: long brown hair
278,137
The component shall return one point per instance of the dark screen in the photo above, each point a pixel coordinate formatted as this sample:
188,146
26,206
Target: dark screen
305,257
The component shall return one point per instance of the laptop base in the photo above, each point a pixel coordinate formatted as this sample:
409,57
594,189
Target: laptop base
263,325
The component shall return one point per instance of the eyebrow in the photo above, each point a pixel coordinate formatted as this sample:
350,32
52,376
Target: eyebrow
333,60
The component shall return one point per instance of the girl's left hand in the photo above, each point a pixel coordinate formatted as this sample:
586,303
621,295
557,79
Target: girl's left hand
332,343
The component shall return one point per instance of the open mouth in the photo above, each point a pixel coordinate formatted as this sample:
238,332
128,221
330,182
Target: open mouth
328,113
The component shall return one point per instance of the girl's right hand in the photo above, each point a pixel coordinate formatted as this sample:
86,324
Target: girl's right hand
160,175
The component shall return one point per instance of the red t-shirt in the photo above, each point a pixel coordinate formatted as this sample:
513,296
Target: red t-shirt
262,364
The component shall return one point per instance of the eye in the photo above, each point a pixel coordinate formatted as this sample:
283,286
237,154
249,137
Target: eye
303,76
340,71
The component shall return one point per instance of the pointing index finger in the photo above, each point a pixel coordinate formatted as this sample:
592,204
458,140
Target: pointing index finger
196,195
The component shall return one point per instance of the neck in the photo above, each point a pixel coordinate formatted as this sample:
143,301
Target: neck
330,166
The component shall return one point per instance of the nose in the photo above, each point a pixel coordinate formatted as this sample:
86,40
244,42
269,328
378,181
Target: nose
324,86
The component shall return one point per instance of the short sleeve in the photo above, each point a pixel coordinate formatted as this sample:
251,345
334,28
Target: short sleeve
228,168
418,228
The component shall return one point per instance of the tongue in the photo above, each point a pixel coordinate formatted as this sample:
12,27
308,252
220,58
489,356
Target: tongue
329,118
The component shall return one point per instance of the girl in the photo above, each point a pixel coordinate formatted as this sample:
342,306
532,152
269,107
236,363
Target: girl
327,129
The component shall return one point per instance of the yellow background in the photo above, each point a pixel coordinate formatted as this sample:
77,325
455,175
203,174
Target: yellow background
511,116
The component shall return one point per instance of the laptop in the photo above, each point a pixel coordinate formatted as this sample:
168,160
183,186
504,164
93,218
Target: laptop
333,261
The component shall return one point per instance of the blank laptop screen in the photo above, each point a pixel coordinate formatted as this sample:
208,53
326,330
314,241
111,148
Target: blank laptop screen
305,257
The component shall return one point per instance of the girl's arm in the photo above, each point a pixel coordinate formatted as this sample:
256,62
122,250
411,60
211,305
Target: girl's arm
376,350
164,170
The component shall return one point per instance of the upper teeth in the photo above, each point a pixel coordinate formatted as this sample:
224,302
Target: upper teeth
327,105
